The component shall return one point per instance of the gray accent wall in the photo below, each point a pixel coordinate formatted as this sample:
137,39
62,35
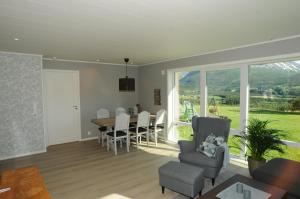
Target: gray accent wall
150,76
21,105
99,88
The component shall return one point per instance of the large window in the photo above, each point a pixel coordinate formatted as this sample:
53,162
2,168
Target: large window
223,87
187,102
275,96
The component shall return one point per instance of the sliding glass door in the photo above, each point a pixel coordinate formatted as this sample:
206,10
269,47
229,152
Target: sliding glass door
269,91
186,103
275,96
223,99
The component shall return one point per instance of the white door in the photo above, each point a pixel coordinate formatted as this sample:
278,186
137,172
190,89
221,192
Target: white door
62,106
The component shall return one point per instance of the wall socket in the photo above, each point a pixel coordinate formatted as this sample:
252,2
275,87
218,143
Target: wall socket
89,133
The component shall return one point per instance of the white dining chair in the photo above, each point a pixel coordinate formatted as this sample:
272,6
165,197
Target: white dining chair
159,123
120,110
102,113
120,132
142,127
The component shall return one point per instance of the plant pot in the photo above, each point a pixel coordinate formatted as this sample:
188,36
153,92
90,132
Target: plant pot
254,164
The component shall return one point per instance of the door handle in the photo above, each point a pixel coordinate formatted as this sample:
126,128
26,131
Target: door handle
75,107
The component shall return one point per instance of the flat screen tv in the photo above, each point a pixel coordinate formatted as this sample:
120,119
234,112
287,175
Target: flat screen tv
126,84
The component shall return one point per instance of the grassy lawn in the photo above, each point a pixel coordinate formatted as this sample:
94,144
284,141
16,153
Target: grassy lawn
288,122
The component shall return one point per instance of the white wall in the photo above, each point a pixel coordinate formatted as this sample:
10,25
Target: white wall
99,87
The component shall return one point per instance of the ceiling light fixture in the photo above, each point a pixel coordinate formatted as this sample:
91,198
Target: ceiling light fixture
126,84
16,39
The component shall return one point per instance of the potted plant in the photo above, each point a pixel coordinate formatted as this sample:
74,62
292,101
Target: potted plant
259,139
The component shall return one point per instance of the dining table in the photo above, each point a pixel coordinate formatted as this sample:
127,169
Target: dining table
111,120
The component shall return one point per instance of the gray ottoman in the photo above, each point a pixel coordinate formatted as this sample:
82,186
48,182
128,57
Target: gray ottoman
182,178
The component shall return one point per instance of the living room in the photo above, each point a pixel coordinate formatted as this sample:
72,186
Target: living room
149,99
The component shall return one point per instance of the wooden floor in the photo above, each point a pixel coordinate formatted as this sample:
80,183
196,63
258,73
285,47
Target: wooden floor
85,170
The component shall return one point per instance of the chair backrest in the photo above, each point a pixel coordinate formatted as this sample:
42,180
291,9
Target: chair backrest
120,110
102,113
122,122
160,117
204,126
143,119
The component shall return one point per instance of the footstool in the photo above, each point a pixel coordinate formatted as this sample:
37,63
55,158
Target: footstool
182,178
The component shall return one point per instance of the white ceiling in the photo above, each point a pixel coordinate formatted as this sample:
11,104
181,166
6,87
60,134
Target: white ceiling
144,30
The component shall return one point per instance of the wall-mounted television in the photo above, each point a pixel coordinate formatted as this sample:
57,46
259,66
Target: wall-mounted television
126,84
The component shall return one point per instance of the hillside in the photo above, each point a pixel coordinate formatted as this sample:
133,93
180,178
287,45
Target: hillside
284,76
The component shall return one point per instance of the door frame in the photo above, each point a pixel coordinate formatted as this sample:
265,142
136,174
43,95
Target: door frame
44,89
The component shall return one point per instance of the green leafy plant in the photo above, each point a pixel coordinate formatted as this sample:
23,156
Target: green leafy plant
260,139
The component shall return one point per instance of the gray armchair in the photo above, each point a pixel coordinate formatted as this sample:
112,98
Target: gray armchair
202,127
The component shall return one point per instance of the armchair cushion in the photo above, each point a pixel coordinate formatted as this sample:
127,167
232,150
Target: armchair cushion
187,146
198,159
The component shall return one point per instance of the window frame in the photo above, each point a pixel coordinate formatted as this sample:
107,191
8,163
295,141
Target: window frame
244,67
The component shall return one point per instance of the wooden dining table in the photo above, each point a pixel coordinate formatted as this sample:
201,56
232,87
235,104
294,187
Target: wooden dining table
111,121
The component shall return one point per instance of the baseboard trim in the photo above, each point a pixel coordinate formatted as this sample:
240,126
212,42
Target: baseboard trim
23,155
87,139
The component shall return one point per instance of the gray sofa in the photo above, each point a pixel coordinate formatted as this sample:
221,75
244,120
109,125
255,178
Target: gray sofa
281,173
202,127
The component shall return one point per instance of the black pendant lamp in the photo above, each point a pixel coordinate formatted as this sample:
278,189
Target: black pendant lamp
126,84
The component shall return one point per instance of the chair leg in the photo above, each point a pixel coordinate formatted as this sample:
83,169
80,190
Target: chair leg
99,137
147,138
137,140
107,143
213,182
121,143
128,143
162,189
103,137
155,137
115,146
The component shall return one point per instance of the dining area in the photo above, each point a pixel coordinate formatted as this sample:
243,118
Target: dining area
125,127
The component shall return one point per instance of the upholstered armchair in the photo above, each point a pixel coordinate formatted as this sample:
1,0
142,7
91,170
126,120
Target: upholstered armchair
202,127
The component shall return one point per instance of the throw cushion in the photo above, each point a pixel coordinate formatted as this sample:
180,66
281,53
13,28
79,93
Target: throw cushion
209,146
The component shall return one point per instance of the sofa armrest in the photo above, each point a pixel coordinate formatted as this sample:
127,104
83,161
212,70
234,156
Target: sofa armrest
186,146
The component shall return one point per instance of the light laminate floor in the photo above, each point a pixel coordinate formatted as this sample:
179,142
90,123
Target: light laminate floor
85,170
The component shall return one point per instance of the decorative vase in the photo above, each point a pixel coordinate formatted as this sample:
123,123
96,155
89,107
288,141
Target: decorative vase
254,164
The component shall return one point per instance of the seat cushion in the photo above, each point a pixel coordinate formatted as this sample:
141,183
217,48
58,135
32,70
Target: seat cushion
159,126
118,134
197,158
140,130
132,124
102,128
282,173
182,172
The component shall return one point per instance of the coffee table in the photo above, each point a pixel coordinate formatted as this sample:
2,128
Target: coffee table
276,192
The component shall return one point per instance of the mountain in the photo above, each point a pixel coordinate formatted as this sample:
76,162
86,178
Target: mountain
291,66
285,75
190,81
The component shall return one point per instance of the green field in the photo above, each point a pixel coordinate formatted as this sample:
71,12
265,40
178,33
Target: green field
288,122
